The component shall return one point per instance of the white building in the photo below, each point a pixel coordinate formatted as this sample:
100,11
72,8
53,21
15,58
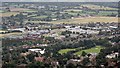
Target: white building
17,29
37,51
82,31
113,55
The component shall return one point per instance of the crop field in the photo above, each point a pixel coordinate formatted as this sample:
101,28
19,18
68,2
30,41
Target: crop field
7,14
104,13
97,7
83,20
40,17
33,21
72,10
30,10
33,15
89,12
9,34
15,11
18,9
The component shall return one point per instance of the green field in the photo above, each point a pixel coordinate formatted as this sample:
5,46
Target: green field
73,10
91,50
89,12
104,13
64,51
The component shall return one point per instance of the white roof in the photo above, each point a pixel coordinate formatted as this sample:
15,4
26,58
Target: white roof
34,49
37,50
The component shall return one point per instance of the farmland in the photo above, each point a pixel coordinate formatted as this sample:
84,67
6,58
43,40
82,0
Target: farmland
97,7
72,10
83,20
30,10
14,11
59,34
10,34
7,14
18,9
105,13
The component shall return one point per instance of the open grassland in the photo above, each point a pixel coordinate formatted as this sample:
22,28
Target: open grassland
72,10
97,7
15,11
22,10
30,11
91,50
83,20
40,17
18,9
33,15
7,14
104,13
71,13
32,22
64,51
10,34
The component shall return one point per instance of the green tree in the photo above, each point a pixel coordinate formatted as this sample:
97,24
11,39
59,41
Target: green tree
83,53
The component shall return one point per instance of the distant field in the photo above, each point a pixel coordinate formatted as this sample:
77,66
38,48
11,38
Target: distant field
7,14
72,10
40,17
71,13
30,10
83,20
33,15
9,34
91,50
19,9
33,21
95,7
104,13
15,11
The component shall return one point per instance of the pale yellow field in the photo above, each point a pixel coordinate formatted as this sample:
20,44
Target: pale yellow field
18,9
2,31
74,10
95,7
9,34
83,20
7,14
